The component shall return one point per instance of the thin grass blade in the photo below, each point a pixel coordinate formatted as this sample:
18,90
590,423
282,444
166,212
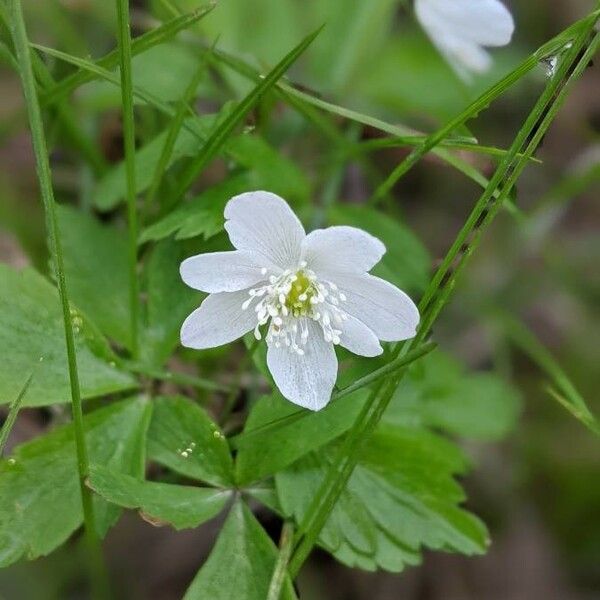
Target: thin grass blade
139,45
13,411
225,128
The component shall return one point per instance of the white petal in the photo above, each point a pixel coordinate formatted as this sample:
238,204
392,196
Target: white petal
222,271
381,306
263,223
358,338
459,29
306,380
346,249
219,320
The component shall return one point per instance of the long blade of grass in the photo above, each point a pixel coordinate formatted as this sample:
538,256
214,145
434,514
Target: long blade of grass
102,73
124,49
486,209
139,45
19,35
138,92
224,129
13,411
173,132
562,389
480,104
300,100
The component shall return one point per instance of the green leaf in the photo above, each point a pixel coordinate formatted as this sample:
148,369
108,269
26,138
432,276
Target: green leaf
169,301
40,503
181,506
201,216
400,498
406,263
31,327
95,257
240,564
438,392
112,187
183,438
263,455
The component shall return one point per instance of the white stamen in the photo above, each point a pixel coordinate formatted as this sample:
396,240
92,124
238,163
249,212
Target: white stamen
289,300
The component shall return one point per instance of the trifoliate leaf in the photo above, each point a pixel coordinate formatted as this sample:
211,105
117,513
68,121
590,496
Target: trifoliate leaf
400,499
181,506
31,328
241,563
40,502
184,438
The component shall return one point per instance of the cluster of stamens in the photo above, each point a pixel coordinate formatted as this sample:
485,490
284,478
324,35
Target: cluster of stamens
290,298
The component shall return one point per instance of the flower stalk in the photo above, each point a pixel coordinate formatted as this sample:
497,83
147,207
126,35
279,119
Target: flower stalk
124,39
19,35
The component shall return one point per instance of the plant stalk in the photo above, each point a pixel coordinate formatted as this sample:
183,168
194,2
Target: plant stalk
19,34
124,47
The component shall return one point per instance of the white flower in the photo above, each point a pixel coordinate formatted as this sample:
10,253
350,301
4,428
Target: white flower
460,29
310,292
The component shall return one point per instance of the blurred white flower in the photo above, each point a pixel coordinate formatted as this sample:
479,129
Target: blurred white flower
310,292
461,29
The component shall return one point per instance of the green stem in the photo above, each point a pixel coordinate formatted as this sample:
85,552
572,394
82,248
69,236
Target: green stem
235,386
129,144
178,378
19,34
12,414
280,571
391,367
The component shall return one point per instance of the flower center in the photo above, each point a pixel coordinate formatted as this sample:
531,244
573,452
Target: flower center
288,300
299,297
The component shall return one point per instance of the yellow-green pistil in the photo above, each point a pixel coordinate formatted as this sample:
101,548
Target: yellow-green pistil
298,298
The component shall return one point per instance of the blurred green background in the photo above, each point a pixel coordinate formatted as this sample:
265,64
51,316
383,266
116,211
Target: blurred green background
539,489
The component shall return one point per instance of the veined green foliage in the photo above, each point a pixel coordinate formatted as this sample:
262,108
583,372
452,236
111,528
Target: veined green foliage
181,506
96,260
32,329
240,564
167,128
41,504
184,438
400,498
